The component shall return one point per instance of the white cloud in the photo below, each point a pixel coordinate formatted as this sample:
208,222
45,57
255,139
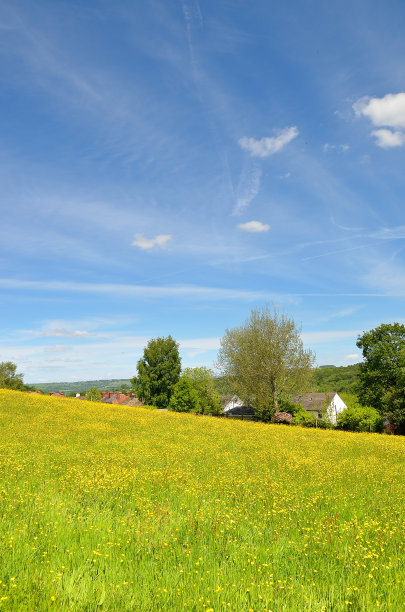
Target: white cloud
387,138
160,241
387,111
268,145
254,226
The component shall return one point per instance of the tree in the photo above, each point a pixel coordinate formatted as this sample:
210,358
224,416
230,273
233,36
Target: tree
384,362
265,360
158,372
202,380
93,394
184,397
9,379
393,403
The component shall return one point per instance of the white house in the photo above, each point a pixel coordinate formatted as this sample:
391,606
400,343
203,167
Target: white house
314,403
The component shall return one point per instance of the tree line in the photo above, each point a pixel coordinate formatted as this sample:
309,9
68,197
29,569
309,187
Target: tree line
264,361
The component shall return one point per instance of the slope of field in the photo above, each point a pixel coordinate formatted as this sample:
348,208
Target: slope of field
114,508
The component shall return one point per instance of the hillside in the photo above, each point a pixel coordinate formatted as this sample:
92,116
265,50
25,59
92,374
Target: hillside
115,508
341,379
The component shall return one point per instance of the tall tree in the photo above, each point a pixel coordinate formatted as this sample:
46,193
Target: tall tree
9,379
265,360
158,372
384,362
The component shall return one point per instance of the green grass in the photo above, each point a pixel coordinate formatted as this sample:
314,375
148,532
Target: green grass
113,508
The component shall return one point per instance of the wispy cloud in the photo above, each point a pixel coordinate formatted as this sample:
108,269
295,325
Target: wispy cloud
345,312
352,357
328,336
60,332
268,145
160,241
248,188
254,226
340,147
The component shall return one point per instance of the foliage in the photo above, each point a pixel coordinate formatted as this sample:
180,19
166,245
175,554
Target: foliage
128,509
393,403
360,418
202,380
93,395
384,359
342,379
158,372
223,385
9,379
265,359
184,397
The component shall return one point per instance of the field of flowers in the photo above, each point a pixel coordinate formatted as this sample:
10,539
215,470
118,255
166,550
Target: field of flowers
118,508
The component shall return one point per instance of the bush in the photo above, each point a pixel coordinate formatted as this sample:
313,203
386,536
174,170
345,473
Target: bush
360,418
304,419
184,397
282,417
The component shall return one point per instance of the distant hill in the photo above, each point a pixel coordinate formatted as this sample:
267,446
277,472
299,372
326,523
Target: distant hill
340,379
115,384
326,378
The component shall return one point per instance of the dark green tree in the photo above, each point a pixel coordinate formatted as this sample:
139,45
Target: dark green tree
184,397
9,379
158,372
384,362
393,403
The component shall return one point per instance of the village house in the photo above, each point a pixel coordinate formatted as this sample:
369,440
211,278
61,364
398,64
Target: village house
317,404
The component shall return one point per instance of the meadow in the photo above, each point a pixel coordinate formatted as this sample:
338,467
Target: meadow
118,508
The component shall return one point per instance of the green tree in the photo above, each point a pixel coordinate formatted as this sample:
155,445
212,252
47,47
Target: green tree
202,379
9,379
265,360
393,402
184,397
93,394
158,372
384,362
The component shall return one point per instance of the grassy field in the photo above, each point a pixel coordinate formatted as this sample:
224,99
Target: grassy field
113,508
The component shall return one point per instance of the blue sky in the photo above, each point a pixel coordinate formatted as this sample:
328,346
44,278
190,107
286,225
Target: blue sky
166,167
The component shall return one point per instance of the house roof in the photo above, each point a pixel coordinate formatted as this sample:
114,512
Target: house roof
312,401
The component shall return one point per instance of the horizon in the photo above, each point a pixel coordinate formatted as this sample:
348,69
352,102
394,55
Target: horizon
168,167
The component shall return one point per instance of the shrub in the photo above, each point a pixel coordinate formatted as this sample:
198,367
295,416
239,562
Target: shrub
184,397
360,418
282,417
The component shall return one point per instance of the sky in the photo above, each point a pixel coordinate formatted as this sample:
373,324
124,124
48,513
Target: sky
168,166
